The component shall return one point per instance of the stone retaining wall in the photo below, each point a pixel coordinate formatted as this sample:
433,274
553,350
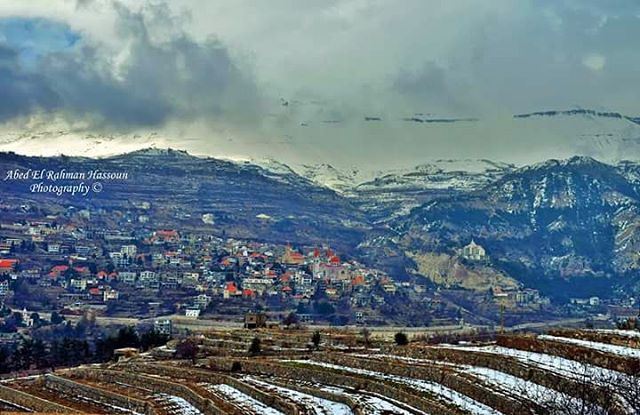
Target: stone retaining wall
214,378
442,375
402,393
588,391
204,405
345,399
571,351
72,388
32,402
598,336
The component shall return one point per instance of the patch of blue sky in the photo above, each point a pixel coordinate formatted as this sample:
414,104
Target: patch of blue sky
33,38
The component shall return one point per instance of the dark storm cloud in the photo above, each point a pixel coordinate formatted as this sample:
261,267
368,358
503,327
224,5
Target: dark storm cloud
155,82
20,92
156,65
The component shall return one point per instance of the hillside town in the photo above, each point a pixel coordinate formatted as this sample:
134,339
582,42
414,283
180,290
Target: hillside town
116,263
63,263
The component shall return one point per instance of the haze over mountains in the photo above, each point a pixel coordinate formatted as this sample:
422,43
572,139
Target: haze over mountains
328,152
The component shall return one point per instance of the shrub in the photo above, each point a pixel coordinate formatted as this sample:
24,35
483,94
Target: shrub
401,339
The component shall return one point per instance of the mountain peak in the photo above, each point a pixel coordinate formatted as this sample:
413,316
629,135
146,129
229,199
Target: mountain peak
582,161
574,161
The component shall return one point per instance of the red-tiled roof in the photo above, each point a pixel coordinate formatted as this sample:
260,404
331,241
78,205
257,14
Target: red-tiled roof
285,278
8,263
358,280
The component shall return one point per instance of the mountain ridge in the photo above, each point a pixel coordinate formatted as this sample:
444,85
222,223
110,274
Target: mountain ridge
513,138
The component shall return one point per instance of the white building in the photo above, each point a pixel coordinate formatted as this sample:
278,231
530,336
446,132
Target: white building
127,277
110,295
474,252
192,312
128,250
208,218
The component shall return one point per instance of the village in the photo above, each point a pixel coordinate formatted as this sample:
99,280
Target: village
116,263
60,263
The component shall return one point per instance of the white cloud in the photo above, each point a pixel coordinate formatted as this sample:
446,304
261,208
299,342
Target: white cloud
594,61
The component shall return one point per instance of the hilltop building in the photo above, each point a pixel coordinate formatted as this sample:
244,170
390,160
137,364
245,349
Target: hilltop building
474,252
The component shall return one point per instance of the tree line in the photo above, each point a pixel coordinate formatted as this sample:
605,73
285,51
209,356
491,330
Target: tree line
31,353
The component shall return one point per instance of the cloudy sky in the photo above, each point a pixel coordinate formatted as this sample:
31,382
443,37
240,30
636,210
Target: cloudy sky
342,81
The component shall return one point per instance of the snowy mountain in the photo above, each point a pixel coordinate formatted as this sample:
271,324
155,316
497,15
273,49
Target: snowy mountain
605,135
560,220
326,153
340,180
49,143
467,174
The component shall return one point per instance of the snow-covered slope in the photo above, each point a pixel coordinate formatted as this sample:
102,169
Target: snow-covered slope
520,139
340,180
62,142
467,174
605,135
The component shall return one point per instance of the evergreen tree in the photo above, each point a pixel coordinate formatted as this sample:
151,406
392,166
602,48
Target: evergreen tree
127,337
40,355
315,339
152,338
255,348
56,318
23,356
5,365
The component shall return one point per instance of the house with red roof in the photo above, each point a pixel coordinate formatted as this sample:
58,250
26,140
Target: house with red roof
165,235
58,270
358,280
84,271
285,278
231,290
292,257
7,265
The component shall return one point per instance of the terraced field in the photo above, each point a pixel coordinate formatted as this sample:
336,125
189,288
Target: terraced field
560,372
